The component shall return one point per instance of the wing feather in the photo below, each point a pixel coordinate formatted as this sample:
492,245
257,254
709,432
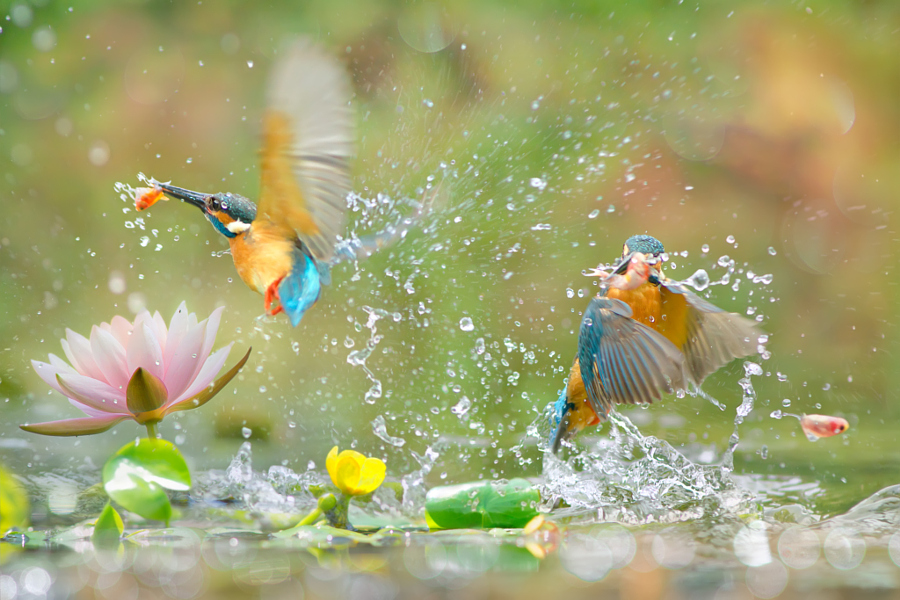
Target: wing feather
713,337
622,360
308,141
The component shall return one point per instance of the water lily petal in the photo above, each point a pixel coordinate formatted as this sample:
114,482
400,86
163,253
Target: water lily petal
331,464
60,365
211,327
205,395
89,410
96,394
178,327
48,373
207,373
110,357
120,327
144,351
184,361
159,328
146,392
371,475
69,427
348,469
78,351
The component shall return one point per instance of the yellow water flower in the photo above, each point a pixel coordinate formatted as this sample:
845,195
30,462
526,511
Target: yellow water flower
353,473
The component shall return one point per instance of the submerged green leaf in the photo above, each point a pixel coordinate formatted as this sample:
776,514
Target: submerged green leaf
482,504
139,473
108,528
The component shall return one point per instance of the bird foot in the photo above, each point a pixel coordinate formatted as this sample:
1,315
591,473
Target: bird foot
272,295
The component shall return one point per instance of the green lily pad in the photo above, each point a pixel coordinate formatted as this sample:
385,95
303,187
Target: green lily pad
14,509
138,475
109,527
485,504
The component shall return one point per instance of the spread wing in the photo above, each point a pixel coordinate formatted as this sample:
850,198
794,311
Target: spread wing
308,141
622,360
709,336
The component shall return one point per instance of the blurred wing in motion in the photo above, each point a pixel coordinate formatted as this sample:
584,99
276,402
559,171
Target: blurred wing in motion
708,336
622,360
308,141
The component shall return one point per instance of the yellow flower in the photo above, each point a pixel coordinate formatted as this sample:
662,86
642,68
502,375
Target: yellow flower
353,473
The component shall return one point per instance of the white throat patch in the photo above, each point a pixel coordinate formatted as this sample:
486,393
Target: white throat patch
237,227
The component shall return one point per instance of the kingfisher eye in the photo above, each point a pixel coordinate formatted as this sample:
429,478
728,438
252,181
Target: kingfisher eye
214,203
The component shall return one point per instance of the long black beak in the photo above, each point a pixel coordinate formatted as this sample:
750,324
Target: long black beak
195,198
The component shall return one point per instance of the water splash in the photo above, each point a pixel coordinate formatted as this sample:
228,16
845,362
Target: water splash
379,428
359,357
633,478
747,400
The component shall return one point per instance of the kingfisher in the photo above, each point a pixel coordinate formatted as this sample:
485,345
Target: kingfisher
642,336
282,246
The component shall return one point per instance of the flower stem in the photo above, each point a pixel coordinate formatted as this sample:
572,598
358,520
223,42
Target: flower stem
339,515
311,518
151,431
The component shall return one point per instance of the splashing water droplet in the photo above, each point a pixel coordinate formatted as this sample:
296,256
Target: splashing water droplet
246,432
379,428
461,407
594,214
466,324
699,280
537,182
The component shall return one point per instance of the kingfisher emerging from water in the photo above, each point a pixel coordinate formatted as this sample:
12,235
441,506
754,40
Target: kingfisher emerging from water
282,246
642,336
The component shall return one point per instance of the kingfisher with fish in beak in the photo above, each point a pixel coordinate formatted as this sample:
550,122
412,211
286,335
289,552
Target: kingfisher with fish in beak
283,245
642,336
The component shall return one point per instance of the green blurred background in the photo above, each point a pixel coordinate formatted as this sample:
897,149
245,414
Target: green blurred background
547,134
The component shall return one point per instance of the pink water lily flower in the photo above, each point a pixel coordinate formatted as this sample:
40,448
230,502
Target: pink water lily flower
140,371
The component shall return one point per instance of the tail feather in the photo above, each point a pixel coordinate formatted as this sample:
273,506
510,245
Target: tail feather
561,421
300,289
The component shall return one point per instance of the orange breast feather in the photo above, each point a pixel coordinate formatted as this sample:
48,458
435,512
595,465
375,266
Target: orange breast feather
262,255
644,301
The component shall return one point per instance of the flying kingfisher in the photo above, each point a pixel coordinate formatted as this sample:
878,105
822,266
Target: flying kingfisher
642,336
282,246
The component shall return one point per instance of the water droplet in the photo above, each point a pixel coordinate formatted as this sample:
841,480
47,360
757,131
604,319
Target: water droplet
250,63
772,251
537,182
428,103
699,280
594,214
466,324
730,239
379,428
461,407
570,293
786,402
611,209
704,248
246,432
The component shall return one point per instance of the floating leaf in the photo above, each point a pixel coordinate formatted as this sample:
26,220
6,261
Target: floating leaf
108,528
13,504
482,504
139,473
